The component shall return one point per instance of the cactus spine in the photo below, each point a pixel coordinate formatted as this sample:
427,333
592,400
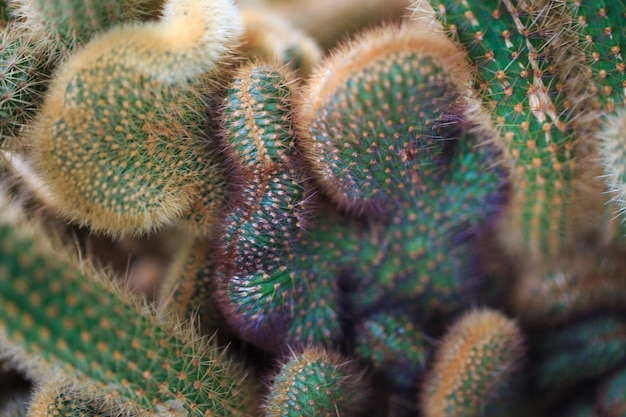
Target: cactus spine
166,367
322,383
473,365
118,139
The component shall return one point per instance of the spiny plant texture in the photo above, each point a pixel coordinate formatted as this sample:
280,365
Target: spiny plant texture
322,383
421,166
473,365
67,24
167,366
23,74
528,72
332,214
119,138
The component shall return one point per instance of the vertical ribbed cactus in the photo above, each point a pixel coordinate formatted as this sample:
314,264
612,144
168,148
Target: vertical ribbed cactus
526,63
115,344
315,382
474,365
119,139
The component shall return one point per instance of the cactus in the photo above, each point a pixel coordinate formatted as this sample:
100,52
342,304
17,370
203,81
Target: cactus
320,382
343,208
259,292
473,365
611,394
102,168
271,38
527,72
22,79
392,345
67,25
572,288
167,366
56,396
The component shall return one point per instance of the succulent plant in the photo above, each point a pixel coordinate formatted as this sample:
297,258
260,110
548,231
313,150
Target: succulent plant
327,209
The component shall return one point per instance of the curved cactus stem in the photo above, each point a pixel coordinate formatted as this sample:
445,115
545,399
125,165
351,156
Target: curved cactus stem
119,137
570,288
270,37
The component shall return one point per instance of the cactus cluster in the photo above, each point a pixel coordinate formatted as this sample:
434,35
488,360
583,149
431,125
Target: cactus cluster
423,217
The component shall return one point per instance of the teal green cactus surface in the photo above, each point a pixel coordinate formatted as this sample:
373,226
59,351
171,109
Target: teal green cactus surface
611,396
73,23
421,154
23,75
164,368
377,229
526,69
317,383
392,345
580,351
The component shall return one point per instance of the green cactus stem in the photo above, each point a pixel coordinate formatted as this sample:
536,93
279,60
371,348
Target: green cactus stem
392,345
186,289
69,24
353,118
116,345
268,210
527,67
473,366
436,185
579,351
315,382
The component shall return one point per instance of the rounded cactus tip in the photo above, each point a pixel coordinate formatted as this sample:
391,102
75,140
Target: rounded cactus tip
368,103
316,382
257,113
473,366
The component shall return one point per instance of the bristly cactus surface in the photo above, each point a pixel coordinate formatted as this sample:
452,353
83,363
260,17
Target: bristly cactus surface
473,366
120,139
371,229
